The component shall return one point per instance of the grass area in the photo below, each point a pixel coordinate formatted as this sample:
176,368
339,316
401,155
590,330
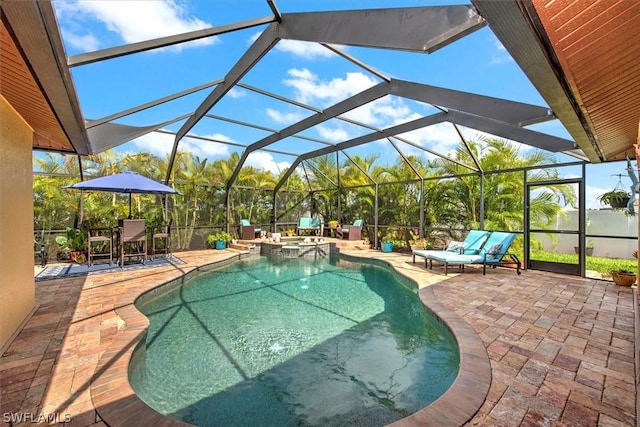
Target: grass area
599,264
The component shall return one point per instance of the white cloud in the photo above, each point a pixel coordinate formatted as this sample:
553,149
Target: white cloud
265,161
302,49
502,56
161,145
382,112
441,137
284,118
161,18
307,50
309,88
236,92
334,134
85,43
156,143
206,149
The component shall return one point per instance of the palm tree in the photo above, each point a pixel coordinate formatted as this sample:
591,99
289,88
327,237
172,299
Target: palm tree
503,192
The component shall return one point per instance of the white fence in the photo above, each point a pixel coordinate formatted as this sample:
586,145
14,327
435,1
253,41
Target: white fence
599,222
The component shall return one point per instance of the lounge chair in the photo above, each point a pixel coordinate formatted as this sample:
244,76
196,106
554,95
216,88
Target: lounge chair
492,254
353,231
311,225
471,245
248,231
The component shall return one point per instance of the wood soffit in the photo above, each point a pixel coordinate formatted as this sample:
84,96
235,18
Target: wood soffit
20,89
597,46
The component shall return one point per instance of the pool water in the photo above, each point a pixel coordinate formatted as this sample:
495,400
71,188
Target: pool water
276,342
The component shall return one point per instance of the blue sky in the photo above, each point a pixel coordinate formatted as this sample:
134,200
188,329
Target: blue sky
308,73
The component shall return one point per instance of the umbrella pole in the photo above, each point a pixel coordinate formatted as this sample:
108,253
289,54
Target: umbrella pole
81,206
129,205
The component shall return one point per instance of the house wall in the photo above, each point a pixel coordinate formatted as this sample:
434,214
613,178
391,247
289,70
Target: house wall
17,286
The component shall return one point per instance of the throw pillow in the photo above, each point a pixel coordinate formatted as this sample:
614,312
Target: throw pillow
456,246
495,249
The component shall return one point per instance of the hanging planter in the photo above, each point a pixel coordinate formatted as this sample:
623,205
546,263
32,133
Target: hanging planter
617,199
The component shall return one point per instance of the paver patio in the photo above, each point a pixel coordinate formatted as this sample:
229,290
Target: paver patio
560,348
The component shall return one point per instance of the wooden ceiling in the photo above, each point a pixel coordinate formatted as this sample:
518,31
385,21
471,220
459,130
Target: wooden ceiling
583,56
19,88
597,44
35,78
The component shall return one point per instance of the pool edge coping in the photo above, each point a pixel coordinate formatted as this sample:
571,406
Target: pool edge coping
117,403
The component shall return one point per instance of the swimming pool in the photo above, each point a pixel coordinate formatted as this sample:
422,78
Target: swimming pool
292,342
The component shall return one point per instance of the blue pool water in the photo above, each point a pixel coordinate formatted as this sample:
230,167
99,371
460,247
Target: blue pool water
277,342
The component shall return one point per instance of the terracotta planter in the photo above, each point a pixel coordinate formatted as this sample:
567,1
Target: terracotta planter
79,257
623,279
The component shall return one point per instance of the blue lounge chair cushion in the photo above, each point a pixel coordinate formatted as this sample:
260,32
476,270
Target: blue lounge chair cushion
495,248
473,242
356,223
307,223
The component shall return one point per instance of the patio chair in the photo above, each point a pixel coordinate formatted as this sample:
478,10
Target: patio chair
248,231
98,237
40,249
163,234
353,231
492,254
311,225
132,240
471,245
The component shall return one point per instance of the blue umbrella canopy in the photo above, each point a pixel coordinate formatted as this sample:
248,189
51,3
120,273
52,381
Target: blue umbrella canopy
125,182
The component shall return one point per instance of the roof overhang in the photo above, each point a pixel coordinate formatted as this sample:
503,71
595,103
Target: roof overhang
583,59
36,81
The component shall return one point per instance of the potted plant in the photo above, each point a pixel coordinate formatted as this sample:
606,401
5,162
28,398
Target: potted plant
416,242
75,243
219,240
623,277
588,248
387,241
616,198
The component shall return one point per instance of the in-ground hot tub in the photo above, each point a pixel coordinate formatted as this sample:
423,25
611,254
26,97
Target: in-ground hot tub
296,247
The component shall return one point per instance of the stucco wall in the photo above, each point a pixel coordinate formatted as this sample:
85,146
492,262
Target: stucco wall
17,286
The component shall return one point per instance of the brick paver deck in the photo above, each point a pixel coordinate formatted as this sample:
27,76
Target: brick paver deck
537,349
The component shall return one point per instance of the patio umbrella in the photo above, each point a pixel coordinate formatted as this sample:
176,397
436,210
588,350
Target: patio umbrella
125,182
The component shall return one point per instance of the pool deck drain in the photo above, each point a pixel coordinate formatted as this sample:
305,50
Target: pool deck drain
559,349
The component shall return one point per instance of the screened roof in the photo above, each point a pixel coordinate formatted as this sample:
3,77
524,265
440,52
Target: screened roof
235,84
